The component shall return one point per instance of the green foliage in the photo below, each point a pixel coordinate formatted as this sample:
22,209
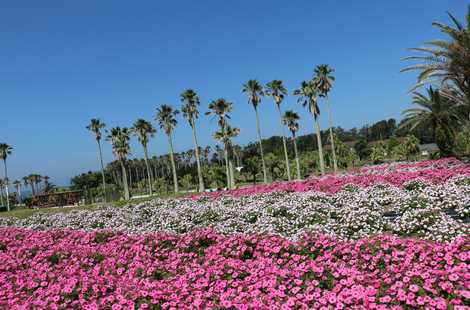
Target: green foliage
462,142
379,152
187,182
445,141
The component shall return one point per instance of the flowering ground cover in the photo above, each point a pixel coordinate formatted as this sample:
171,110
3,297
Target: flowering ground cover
204,270
392,236
431,171
437,212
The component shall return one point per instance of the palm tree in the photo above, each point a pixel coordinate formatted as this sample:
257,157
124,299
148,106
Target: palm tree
254,91
5,151
26,182
225,137
95,127
220,108
308,98
446,62
190,101
17,185
277,91
144,131
291,120
323,80
46,183
119,139
166,117
438,113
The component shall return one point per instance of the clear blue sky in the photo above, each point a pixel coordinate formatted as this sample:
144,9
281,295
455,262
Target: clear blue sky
64,62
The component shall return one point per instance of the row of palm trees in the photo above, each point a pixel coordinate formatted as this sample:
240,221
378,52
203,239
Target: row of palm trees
34,180
166,116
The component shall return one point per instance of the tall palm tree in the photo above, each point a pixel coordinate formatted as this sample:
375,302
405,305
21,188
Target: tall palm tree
95,127
225,136
324,81
220,108
119,138
291,120
446,62
277,91
254,91
17,185
190,101
5,151
144,131
166,117
307,94
438,113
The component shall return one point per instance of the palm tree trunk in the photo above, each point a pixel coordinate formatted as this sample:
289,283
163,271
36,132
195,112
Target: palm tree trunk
265,178
232,174
173,166
149,178
320,148
227,169
297,163
284,143
124,181
198,162
6,183
102,172
18,191
333,150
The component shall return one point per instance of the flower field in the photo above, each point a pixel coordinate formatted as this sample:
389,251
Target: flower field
392,236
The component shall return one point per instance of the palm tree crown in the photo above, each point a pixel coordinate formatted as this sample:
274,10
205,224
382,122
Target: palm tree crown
307,94
96,126
291,120
434,110
190,101
220,109
5,151
119,138
254,91
323,79
144,130
446,62
166,117
276,90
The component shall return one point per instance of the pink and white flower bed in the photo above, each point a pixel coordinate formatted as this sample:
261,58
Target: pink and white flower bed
431,171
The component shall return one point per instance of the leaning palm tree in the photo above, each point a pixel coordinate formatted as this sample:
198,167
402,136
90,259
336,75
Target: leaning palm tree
277,91
166,117
254,91
446,62
323,80
95,127
144,130
190,101
307,94
5,151
291,120
119,139
220,108
436,112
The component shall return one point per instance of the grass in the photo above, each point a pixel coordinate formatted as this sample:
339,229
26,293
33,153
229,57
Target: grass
24,213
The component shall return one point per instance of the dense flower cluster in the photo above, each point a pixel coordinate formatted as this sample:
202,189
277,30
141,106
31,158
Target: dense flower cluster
63,269
397,174
431,211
